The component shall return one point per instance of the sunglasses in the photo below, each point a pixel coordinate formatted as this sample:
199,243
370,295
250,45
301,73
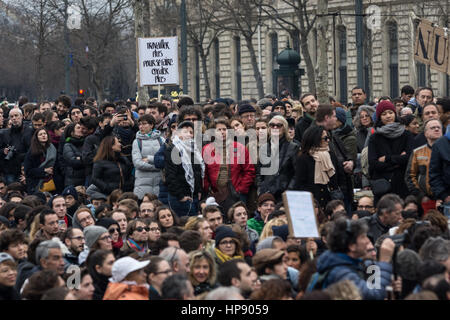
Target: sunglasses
276,125
140,229
112,230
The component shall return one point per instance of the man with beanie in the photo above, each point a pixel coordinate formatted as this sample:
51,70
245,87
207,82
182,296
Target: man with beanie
71,198
346,133
248,115
266,205
440,168
91,235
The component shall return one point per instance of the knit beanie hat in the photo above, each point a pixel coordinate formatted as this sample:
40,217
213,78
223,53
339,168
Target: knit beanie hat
70,190
92,233
281,231
341,115
106,222
265,243
224,232
383,106
265,197
246,108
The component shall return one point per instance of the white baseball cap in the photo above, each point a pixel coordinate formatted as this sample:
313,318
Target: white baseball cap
124,266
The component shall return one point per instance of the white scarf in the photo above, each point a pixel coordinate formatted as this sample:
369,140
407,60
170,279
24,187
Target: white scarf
186,147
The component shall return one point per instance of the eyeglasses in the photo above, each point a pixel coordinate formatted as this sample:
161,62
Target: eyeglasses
171,260
112,230
79,238
363,116
165,271
276,125
140,229
155,229
226,242
327,138
105,238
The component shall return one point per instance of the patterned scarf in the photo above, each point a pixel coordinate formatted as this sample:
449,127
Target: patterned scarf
224,258
132,244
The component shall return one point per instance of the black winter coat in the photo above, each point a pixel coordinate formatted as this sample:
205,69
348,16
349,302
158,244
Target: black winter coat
74,166
304,179
301,126
33,173
89,150
19,137
283,179
175,179
107,177
394,167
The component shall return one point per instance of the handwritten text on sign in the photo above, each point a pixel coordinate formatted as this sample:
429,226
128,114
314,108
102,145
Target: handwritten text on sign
158,61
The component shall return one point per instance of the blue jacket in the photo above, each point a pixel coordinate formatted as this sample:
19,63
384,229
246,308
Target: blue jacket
344,267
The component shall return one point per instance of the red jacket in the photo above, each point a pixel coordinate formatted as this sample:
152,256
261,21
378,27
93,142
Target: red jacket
242,170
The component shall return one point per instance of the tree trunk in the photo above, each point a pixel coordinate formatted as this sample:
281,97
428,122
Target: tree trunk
322,61
141,30
205,72
310,72
254,61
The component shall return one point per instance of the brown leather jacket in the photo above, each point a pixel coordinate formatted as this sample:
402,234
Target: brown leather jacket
417,173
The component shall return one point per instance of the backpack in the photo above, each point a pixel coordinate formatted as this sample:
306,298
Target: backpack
318,281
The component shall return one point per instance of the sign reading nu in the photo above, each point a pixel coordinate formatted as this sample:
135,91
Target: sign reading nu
432,46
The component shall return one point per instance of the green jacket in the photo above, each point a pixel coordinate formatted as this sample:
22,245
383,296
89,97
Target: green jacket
256,223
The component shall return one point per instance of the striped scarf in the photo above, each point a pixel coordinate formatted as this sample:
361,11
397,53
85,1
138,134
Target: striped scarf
134,245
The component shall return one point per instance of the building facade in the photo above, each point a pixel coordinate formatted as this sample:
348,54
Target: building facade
388,53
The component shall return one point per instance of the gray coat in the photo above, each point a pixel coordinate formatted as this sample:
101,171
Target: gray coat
147,176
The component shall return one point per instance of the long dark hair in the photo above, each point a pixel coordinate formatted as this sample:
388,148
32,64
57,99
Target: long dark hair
312,138
36,147
105,151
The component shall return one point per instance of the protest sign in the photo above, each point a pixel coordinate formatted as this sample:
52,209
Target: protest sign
302,221
158,61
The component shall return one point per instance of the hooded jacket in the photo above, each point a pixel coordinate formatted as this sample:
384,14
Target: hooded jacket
343,267
348,138
125,291
147,176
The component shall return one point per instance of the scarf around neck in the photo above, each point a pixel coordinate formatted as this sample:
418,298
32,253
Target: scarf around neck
391,130
186,148
323,168
224,257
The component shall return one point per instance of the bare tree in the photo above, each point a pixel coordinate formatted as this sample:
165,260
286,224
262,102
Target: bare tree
322,59
198,30
141,9
300,27
242,17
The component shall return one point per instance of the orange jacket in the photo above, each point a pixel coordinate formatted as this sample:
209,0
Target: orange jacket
417,172
123,291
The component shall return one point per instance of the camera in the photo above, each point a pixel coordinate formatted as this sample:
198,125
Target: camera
125,117
10,154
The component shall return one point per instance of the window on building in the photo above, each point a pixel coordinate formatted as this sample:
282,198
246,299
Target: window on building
421,74
393,59
237,48
342,41
217,66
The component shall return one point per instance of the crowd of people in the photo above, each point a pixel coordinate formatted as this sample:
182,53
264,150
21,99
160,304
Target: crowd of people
175,201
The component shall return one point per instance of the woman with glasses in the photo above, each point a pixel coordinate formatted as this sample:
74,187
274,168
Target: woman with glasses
228,246
315,168
137,238
145,146
229,172
363,123
154,232
275,173
157,271
114,230
202,273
